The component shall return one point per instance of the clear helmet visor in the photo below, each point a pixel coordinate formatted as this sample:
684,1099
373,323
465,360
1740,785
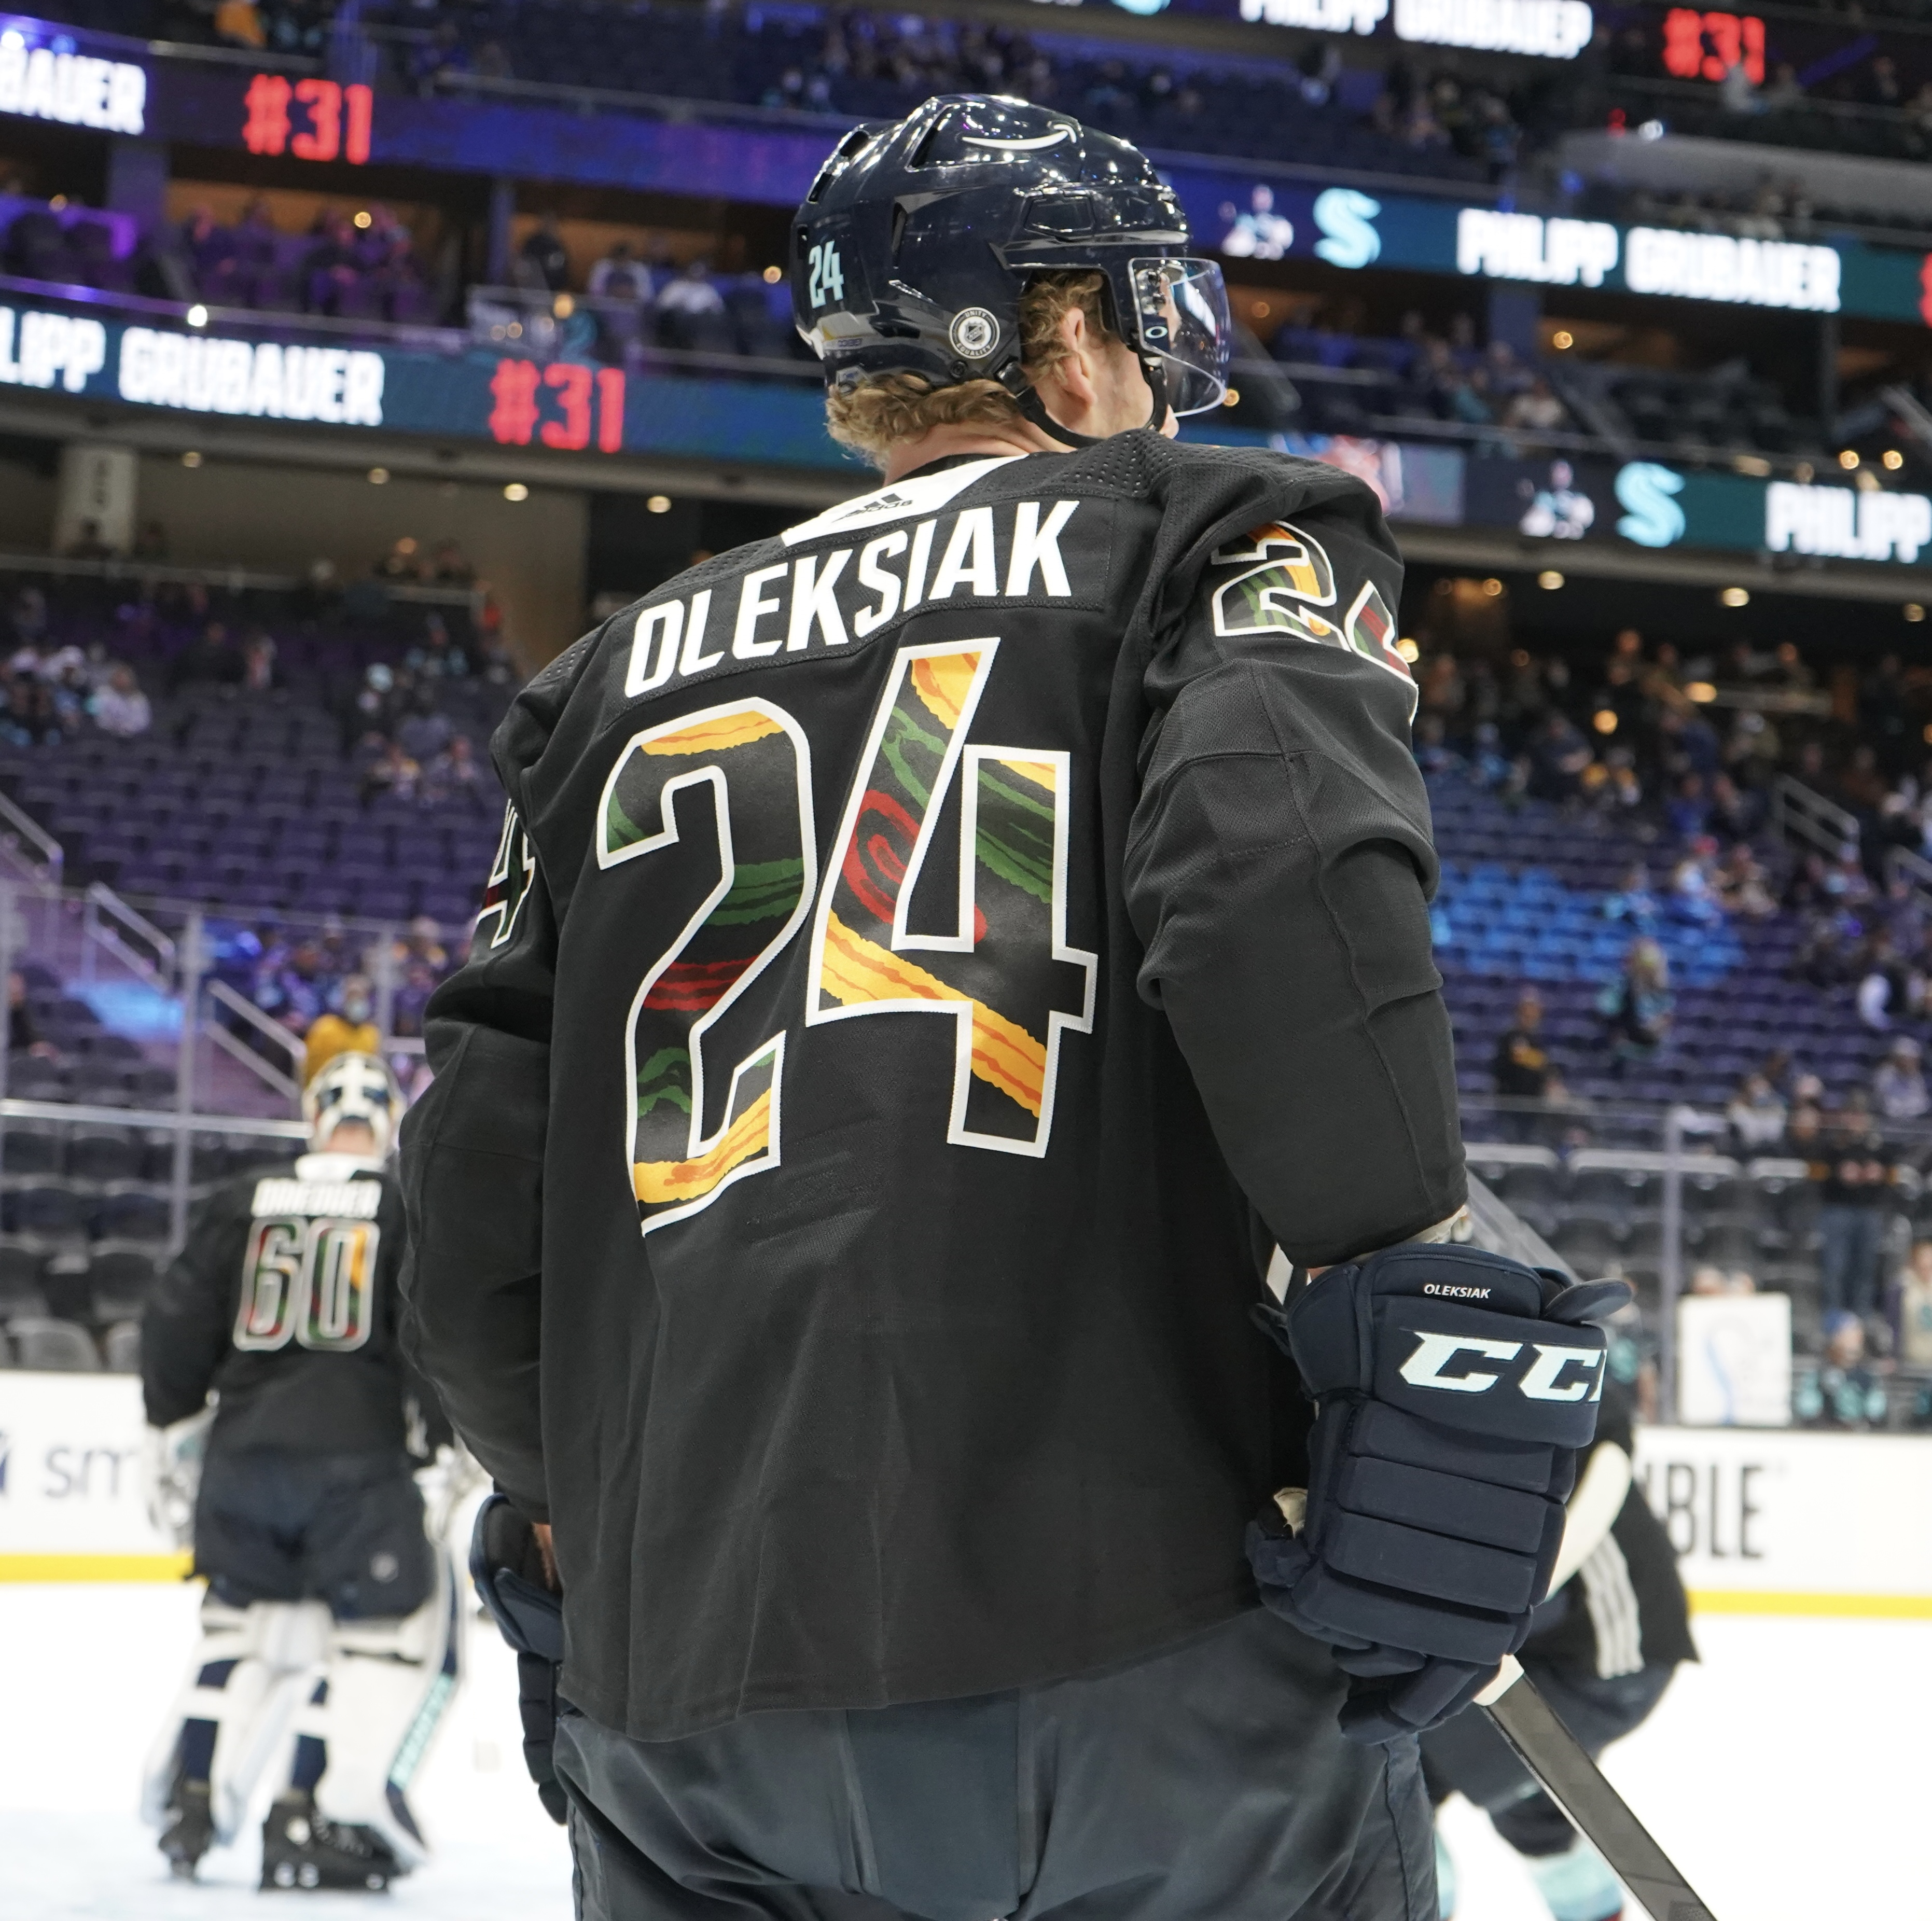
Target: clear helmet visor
1180,313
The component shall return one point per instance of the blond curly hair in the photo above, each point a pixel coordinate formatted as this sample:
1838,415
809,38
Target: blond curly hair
873,415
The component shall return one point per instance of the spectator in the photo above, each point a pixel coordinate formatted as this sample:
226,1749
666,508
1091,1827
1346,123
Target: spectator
693,294
259,675
1757,1117
1522,1065
1692,900
1853,1173
1914,1306
332,267
23,1036
543,261
1899,1086
1883,987
423,732
1743,888
349,1028
620,275
210,659
1558,757
394,774
152,542
87,545
1536,410
455,773
1637,1006
1633,902
1841,1392
120,707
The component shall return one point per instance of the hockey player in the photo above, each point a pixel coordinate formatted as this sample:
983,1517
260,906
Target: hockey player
328,1650
931,954
1602,1649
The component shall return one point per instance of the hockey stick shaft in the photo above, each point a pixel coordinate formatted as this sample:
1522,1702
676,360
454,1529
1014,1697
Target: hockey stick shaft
1575,1783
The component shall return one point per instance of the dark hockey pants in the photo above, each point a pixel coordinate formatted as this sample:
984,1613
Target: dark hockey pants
1207,1783
277,1524
1466,1756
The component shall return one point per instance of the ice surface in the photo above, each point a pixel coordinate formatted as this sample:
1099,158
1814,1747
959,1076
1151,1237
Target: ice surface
87,1674
1786,1774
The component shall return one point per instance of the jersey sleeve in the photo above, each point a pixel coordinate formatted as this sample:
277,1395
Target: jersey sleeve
473,1152
184,1327
1278,866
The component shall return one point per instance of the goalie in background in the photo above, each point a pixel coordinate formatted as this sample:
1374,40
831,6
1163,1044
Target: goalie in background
329,1636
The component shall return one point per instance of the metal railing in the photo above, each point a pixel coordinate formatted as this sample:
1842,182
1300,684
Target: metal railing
109,923
276,1036
1801,813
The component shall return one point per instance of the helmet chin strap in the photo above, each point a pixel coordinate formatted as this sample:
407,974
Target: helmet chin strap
1034,408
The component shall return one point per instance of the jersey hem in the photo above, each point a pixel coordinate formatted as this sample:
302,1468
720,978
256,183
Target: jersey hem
1128,1645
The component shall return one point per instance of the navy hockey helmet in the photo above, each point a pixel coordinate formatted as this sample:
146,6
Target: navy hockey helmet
917,239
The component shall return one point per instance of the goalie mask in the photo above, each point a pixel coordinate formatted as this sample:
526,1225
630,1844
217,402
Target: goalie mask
353,1087
917,241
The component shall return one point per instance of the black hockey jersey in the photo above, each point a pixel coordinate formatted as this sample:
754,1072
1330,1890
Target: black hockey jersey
283,1300
932,955
1625,1607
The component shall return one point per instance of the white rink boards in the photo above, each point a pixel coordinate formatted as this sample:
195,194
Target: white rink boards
1786,1774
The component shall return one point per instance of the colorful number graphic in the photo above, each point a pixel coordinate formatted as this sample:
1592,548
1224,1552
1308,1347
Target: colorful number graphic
1003,971
312,1280
755,761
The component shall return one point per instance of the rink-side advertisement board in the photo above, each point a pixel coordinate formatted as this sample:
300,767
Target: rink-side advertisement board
1767,1521
70,1501
1772,1521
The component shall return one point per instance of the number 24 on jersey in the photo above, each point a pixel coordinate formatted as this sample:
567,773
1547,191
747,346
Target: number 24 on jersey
1001,971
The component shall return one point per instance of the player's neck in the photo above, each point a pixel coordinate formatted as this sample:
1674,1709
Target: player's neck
1019,437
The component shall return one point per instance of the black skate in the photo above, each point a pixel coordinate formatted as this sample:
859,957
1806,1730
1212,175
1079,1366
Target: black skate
300,1849
189,1833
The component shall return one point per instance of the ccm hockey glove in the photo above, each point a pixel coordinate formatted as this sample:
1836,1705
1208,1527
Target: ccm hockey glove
1454,1391
507,1566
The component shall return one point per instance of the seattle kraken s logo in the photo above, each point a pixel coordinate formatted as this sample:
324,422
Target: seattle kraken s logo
1346,220
1652,517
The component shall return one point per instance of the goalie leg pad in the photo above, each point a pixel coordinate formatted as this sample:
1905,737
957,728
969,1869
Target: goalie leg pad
389,1685
230,1724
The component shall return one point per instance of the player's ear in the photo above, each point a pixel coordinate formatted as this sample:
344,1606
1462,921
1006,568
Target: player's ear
1074,374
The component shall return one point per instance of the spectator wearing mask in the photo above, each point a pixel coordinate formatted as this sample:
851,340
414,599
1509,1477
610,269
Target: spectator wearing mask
1841,1392
120,707
1899,1086
1757,1117
347,1027
1637,1006
1853,1168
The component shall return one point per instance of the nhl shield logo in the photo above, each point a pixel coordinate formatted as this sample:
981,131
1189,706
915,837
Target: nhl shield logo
974,333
